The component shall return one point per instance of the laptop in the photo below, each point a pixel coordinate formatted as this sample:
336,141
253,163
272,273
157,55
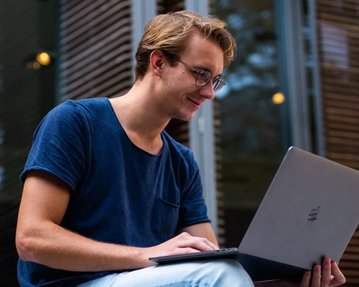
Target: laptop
309,211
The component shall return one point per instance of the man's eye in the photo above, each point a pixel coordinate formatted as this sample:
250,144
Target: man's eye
201,74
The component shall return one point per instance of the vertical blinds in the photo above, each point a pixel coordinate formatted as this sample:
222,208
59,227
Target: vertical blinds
95,48
338,39
219,174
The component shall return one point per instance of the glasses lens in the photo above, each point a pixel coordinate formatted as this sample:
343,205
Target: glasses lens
218,83
203,77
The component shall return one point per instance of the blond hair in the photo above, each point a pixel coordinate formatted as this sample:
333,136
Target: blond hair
169,33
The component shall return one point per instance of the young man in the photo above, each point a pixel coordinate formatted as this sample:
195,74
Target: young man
105,187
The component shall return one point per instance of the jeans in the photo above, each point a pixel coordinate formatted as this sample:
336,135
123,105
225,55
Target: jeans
226,273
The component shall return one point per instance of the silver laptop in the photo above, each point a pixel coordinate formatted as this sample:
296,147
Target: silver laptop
309,211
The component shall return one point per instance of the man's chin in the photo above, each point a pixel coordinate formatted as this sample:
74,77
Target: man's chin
186,118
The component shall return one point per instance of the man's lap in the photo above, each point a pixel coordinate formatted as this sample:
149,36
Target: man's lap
191,274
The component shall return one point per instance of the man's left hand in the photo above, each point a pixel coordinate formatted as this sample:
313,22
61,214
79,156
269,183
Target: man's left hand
326,275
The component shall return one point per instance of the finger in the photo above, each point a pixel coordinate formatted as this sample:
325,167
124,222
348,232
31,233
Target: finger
210,244
197,243
306,279
316,276
326,272
339,278
185,250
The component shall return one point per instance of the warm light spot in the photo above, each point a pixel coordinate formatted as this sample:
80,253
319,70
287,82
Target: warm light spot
278,98
43,58
35,66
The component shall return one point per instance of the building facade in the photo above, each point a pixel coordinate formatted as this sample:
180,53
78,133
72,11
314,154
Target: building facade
293,83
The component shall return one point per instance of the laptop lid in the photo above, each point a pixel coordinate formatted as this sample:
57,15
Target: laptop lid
310,210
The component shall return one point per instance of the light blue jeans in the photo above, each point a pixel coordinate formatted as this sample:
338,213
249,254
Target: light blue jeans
224,273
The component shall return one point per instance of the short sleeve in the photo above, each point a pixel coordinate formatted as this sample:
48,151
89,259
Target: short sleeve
59,145
193,206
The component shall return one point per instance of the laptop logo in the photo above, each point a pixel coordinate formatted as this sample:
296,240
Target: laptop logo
313,214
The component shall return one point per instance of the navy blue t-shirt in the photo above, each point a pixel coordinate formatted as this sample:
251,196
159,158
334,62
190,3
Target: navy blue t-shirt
119,193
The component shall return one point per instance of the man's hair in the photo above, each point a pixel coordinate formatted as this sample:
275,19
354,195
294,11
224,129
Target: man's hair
170,32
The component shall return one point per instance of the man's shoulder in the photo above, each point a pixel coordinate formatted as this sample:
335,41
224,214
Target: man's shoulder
91,104
76,109
174,144
182,152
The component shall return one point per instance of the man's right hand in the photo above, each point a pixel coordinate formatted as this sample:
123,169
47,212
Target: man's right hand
181,244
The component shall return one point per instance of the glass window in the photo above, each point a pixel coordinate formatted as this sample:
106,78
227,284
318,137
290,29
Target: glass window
251,112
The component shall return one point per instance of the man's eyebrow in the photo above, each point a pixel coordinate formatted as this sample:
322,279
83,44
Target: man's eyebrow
202,68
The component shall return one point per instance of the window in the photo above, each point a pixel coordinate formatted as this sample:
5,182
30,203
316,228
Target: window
252,112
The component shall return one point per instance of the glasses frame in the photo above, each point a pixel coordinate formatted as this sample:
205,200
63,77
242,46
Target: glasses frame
217,81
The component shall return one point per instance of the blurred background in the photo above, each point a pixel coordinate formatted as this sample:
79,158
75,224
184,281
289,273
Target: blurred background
295,81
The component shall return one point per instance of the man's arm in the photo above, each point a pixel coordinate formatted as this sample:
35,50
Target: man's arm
40,238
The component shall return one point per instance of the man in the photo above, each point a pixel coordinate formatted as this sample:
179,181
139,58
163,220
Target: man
105,187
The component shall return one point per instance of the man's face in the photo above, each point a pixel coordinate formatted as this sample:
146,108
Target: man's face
184,82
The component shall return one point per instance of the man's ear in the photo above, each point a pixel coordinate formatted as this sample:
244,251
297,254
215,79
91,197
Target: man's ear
157,61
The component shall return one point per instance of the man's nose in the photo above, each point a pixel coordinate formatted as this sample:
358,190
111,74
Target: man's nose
207,91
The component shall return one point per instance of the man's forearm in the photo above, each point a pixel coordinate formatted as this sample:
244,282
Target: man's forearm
56,247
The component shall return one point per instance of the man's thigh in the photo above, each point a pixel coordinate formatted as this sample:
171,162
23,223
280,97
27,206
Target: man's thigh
199,274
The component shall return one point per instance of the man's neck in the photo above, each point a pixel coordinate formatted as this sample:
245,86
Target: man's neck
140,119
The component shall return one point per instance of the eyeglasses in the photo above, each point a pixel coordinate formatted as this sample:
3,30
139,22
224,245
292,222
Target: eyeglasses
203,77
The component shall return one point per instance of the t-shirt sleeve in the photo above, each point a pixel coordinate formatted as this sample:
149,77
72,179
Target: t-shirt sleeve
193,207
59,145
